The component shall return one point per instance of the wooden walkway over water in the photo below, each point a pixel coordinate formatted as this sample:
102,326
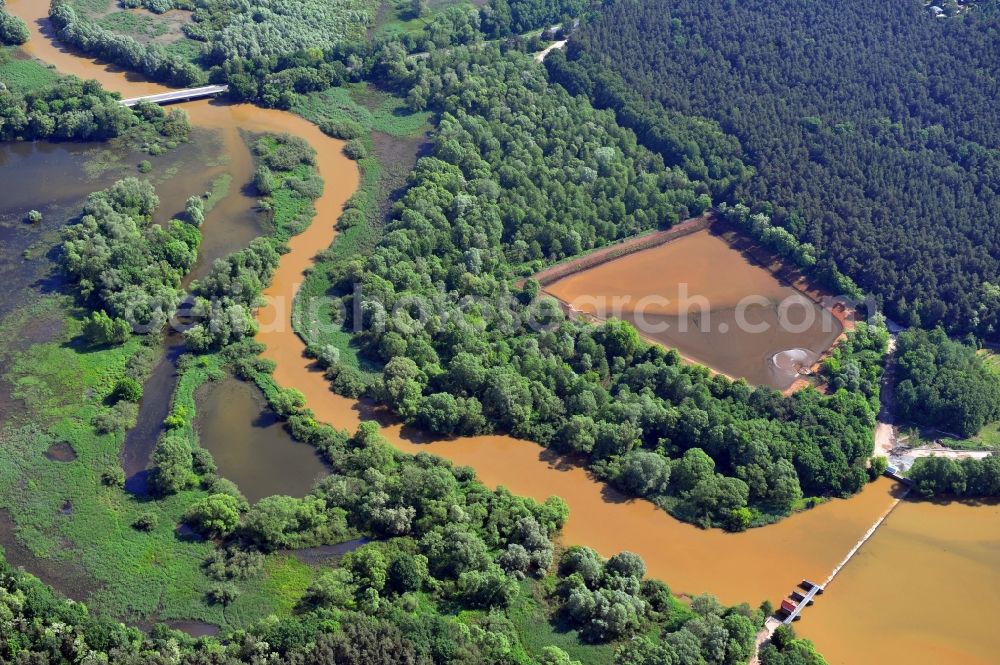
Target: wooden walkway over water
176,96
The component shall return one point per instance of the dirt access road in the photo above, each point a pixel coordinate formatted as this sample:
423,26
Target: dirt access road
887,441
541,55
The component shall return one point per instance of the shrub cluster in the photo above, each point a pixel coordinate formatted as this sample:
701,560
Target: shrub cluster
128,268
13,30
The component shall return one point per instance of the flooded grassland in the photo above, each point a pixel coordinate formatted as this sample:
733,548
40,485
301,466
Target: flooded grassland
56,178
54,383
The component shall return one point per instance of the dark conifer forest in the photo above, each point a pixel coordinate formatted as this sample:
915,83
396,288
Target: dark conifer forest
871,128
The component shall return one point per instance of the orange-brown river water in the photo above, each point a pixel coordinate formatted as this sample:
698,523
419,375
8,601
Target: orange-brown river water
923,590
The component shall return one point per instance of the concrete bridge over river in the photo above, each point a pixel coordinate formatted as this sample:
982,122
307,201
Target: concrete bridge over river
176,96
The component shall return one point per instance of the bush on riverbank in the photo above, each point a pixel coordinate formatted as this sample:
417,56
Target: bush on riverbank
608,599
224,299
13,30
785,649
150,59
38,104
941,476
69,110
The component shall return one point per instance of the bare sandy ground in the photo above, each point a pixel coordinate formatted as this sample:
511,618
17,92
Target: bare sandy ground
541,55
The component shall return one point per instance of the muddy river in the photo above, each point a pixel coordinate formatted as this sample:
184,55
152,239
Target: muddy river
702,296
923,590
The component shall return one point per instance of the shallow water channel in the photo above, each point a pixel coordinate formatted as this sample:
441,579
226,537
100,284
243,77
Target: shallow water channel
56,178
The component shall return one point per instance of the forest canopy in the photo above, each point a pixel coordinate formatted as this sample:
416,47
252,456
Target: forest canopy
521,174
944,384
871,128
